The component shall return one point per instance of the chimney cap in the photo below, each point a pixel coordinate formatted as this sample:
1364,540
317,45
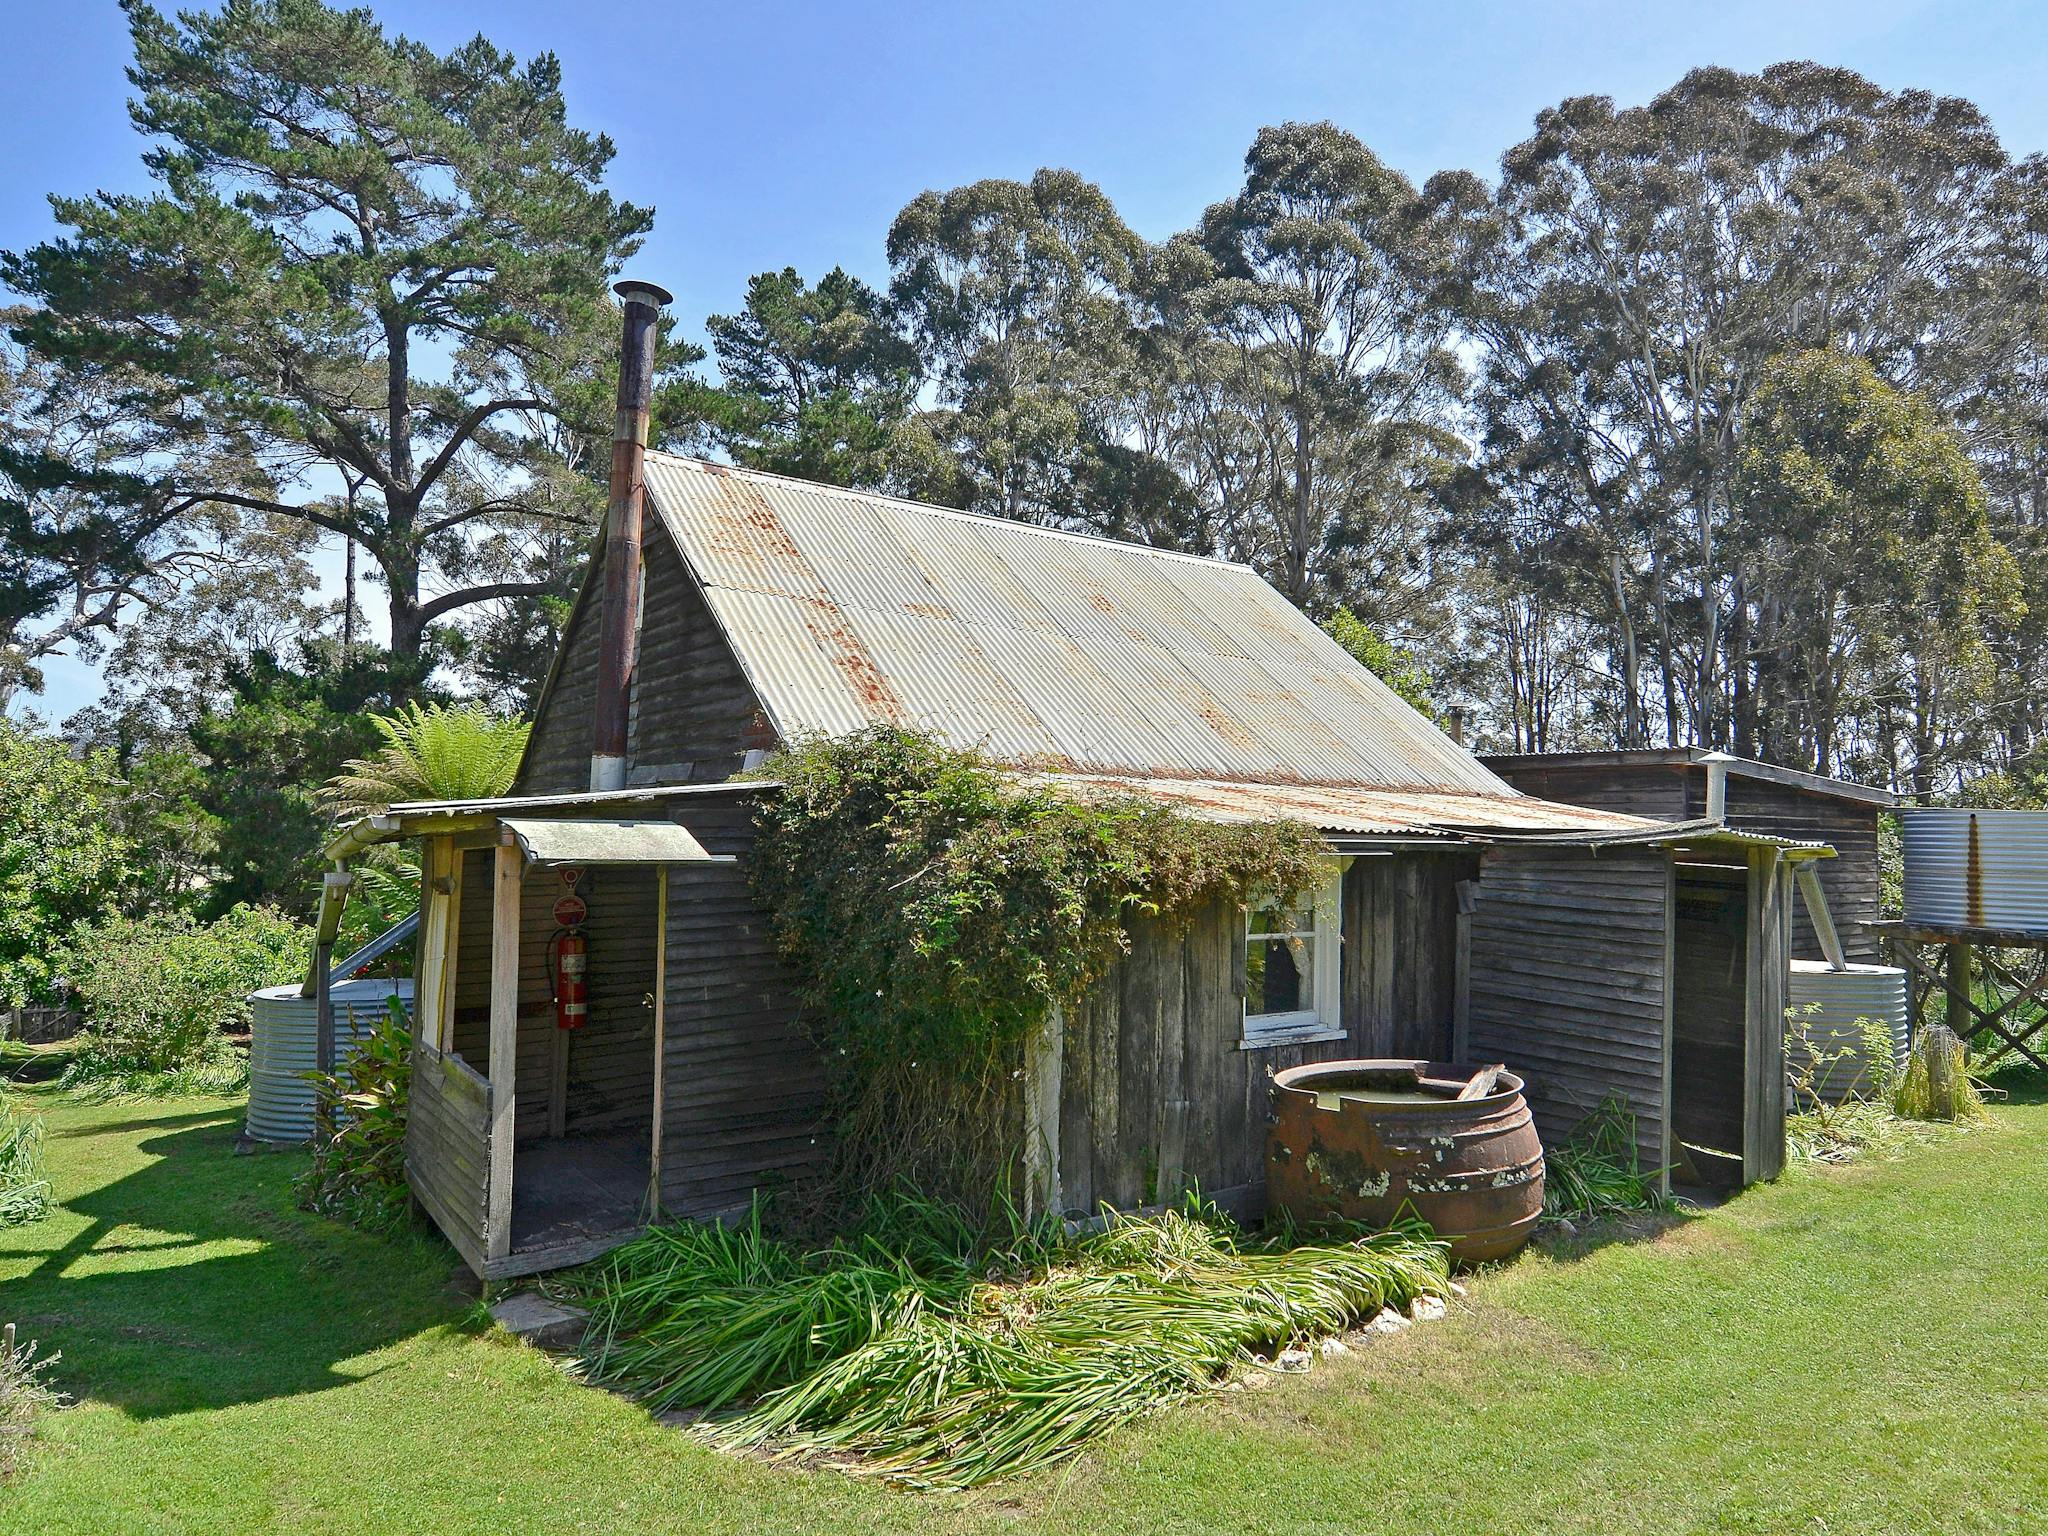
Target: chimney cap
632,288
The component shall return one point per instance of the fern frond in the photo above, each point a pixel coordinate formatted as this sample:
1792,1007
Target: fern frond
430,752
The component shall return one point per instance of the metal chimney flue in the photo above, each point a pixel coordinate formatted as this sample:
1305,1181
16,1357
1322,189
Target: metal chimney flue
619,636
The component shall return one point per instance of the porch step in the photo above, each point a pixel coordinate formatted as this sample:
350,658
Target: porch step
540,1322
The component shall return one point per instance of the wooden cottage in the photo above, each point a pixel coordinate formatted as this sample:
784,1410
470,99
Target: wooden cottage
1602,954
730,612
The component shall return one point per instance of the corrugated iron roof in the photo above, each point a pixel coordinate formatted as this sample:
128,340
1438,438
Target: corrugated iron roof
1362,812
1674,834
1034,645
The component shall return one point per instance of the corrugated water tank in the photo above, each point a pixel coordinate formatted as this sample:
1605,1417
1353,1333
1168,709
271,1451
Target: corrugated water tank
1977,869
1839,999
284,1044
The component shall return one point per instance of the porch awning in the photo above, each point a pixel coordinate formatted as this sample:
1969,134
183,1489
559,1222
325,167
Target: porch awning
606,842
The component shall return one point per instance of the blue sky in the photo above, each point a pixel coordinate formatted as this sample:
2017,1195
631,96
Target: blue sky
783,134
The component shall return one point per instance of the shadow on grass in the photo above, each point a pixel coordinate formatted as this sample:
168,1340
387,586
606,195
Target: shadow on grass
193,1282
1590,1236
143,1122
2019,1085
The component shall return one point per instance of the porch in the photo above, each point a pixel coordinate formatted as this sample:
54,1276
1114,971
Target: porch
535,1147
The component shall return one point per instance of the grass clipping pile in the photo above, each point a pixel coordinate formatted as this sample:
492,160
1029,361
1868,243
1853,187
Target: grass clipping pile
916,1353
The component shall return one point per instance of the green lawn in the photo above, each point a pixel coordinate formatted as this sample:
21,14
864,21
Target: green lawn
1864,1350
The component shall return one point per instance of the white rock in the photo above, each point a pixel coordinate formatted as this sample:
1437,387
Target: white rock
1426,1309
1292,1360
1389,1321
1332,1348
1457,1289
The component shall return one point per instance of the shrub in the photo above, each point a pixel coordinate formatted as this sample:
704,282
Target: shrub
23,1396
24,1192
61,860
358,1174
159,993
1936,1084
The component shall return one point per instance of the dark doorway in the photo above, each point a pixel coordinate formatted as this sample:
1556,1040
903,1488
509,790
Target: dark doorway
1709,995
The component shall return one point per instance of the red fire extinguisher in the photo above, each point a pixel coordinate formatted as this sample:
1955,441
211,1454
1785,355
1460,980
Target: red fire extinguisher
569,962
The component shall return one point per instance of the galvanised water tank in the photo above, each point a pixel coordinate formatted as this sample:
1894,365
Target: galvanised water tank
1837,1000
284,1045
1977,869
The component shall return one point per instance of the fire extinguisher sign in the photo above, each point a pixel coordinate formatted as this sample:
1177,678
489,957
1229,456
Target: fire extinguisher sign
570,911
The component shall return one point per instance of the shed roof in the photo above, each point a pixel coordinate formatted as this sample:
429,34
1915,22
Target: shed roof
1650,758
1036,646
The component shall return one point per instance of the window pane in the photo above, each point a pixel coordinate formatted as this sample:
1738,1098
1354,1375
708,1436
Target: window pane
1279,975
1273,920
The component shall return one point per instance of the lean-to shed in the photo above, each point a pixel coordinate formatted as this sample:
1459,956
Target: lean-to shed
730,612
1677,784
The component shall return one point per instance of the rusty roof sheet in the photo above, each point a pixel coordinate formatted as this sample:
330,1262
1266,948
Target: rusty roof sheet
1034,645
1362,812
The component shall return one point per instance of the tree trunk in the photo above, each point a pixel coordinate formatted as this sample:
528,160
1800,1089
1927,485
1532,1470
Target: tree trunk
1631,661
1664,657
1743,707
1298,543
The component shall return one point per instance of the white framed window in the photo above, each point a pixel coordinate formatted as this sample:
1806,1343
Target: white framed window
1293,966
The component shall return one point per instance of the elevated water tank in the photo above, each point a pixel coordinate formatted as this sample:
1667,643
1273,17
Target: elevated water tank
1977,869
1839,999
284,1045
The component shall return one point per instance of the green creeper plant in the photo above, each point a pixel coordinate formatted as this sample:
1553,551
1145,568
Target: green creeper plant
934,908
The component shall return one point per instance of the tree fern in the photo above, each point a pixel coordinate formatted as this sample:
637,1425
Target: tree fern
430,752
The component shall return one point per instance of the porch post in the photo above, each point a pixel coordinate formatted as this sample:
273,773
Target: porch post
660,1039
1769,946
511,866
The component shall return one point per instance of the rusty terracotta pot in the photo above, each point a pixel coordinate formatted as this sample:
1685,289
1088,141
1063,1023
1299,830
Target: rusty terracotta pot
1472,1169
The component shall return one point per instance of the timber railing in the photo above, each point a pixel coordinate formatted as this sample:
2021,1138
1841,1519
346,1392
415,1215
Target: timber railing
448,1147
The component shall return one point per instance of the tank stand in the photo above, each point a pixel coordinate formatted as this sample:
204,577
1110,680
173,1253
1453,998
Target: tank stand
1964,954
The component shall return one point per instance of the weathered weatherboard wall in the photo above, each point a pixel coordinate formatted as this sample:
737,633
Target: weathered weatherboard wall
1156,1088
1570,982
447,1147
1155,1092
744,1093
693,715
1400,951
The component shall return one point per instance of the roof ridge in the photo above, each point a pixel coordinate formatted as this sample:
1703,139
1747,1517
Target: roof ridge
708,466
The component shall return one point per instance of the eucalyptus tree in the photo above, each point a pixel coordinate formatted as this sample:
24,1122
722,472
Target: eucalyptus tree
1334,363
1637,269
367,275
1865,518
1019,298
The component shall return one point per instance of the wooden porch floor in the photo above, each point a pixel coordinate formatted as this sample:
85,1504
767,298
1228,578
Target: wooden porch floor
573,1199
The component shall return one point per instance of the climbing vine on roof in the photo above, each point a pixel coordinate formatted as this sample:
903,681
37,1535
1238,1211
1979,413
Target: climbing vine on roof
934,908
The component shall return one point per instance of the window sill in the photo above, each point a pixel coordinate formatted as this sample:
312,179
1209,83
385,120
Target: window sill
1311,1035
